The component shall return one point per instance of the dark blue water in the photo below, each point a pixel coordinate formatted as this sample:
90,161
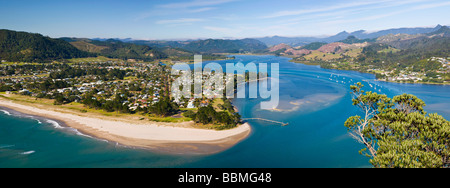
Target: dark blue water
314,101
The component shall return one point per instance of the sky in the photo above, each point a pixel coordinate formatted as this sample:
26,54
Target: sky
193,19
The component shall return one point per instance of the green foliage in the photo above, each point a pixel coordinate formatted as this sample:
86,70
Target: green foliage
425,65
398,132
4,88
92,102
59,99
49,85
189,114
164,107
121,50
28,47
117,104
207,115
227,106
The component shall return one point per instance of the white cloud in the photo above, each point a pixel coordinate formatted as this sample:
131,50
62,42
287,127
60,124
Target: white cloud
317,10
195,6
372,4
204,9
180,21
384,15
195,3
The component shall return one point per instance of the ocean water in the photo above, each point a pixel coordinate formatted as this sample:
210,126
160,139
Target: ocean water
314,101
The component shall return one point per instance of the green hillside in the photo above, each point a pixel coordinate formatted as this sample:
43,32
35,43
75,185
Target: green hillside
30,47
225,46
122,50
352,40
117,49
411,50
314,45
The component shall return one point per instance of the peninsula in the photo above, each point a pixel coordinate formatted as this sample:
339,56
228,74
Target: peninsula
124,98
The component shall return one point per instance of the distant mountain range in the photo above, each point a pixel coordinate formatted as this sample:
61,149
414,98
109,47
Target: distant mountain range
30,47
361,34
249,45
207,46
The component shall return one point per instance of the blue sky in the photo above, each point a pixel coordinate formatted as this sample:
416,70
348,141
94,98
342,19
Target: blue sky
183,19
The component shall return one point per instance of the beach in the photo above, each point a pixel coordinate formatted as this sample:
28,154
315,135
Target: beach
173,138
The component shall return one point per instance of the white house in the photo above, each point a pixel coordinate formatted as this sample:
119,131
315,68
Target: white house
191,104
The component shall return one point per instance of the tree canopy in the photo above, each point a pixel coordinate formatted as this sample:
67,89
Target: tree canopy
398,132
207,115
164,107
29,47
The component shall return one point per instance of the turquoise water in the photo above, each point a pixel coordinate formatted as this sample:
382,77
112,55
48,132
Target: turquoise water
314,101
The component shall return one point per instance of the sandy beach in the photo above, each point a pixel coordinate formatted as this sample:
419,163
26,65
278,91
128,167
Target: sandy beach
175,138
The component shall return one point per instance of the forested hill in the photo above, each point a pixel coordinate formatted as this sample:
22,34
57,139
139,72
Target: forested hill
30,47
147,50
225,46
117,49
412,49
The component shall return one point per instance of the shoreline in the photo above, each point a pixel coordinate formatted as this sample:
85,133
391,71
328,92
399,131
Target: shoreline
423,83
169,138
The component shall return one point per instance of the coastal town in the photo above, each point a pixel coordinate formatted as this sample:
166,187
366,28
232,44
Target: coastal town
414,75
117,86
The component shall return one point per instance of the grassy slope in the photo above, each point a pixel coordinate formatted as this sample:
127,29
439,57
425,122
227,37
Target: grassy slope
88,47
322,56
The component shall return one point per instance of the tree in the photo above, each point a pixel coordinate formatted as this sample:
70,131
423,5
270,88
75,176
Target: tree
208,115
398,132
205,115
109,106
59,99
164,107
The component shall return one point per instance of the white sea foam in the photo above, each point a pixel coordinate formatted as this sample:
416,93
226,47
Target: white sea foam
27,152
6,146
76,131
6,112
80,134
33,117
55,124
